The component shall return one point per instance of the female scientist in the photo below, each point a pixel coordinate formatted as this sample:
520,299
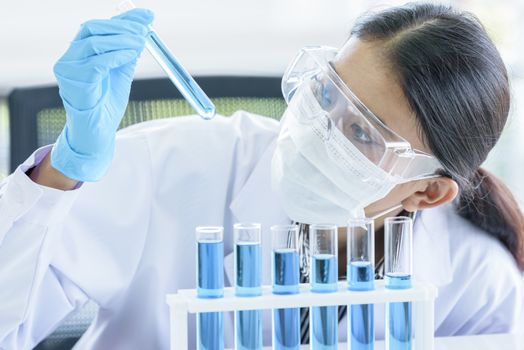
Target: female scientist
404,113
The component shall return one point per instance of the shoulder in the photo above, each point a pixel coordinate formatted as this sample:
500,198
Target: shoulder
470,243
472,250
486,289
241,123
243,134
220,152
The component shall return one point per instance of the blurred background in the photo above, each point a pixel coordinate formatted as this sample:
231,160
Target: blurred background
239,37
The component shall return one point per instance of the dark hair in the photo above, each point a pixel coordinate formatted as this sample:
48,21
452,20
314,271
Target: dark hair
456,83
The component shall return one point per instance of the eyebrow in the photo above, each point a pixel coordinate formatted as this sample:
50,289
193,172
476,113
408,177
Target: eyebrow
332,65
380,119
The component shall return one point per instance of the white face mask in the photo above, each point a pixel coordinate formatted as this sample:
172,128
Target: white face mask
316,186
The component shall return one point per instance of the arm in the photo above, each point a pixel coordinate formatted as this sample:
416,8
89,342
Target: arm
36,294
51,241
486,295
44,174
504,309
33,298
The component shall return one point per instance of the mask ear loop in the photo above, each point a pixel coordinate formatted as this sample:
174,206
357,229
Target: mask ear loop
359,213
398,206
384,212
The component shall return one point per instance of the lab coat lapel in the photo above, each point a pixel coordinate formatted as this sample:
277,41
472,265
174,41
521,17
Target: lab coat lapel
256,202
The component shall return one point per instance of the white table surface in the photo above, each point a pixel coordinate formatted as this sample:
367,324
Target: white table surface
482,342
478,342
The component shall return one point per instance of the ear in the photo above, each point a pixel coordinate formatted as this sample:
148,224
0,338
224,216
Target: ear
431,193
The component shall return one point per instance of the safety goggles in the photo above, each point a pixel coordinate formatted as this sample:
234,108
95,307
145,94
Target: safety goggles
311,76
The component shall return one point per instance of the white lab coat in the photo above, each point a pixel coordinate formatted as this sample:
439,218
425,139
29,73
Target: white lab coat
127,240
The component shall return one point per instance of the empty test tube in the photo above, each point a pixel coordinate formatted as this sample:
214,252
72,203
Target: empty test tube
361,277
323,279
398,266
210,284
248,283
183,81
286,275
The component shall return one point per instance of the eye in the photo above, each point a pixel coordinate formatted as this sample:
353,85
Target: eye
359,134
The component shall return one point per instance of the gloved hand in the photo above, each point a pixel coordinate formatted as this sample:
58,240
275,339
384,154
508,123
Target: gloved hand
94,77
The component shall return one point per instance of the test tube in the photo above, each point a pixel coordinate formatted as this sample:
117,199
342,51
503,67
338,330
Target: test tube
323,279
398,265
210,284
183,81
361,277
286,275
248,276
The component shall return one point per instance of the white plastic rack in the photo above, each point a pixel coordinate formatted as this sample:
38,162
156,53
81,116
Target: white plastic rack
422,296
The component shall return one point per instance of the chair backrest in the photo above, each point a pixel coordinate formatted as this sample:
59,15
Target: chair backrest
36,115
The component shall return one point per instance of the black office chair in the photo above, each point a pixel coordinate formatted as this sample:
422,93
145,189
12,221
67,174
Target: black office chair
36,118
36,115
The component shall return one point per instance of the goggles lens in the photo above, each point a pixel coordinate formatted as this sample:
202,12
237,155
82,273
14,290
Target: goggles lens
321,93
348,119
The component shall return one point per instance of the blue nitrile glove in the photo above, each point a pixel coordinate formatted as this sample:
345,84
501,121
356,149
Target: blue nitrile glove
94,77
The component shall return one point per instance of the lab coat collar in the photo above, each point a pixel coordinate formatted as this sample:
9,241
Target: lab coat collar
431,247
257,202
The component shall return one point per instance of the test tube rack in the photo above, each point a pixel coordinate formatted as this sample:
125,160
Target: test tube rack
422,296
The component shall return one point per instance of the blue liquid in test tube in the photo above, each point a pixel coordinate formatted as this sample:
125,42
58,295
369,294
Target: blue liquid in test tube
399,314
180,77
398,267
361,323
286,275
324,273
210,284
249,282
361,277
210,276
287,329
286,271
248,269
323,279
324,331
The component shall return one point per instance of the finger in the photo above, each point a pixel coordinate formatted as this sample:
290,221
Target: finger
97,45
111,27
94,68
139,15
79,95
